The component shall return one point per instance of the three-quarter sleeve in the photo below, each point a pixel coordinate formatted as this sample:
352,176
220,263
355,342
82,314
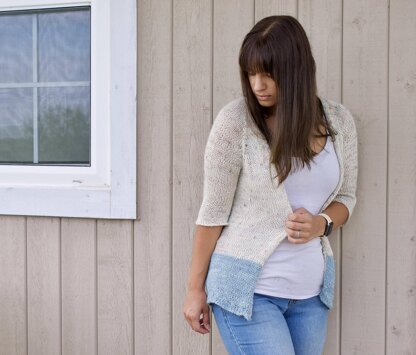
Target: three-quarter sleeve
223,159
347,193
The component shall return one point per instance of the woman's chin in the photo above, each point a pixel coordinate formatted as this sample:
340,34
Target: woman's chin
266,103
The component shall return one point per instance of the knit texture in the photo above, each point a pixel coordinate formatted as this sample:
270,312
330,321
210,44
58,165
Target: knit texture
240,194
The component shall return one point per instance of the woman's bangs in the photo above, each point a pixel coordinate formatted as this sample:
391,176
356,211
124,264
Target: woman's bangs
256,58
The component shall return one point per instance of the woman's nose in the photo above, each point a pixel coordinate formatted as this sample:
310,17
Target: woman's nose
259,83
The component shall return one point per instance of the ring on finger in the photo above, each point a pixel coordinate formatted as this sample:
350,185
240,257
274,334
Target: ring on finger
298,235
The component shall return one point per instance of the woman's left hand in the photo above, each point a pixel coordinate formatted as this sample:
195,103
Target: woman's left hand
302,226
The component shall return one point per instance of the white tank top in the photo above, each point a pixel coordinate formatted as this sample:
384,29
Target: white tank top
296,270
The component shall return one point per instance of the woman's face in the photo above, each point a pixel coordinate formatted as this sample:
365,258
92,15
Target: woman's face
264,87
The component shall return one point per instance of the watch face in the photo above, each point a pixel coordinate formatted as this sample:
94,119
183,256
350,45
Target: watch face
329,228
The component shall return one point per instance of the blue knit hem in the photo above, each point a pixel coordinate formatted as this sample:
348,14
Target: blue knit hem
231,282
328,288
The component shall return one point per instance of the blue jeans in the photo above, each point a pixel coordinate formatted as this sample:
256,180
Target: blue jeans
279,326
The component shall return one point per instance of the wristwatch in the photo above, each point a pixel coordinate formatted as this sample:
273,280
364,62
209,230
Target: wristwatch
329,224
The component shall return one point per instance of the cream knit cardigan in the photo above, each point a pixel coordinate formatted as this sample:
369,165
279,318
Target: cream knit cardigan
240,194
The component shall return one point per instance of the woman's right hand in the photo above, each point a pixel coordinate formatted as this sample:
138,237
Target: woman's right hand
194,306
195,303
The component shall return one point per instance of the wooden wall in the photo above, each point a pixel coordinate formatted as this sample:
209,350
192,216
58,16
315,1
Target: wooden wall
85,286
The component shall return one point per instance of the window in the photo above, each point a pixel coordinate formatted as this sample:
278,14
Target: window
45,82
68,108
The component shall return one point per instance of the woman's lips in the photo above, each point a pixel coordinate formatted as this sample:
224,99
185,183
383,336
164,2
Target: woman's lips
264,97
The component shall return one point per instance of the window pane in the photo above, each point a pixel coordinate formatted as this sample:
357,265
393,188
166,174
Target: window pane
16,126
64,125
16,48
64,46
45,46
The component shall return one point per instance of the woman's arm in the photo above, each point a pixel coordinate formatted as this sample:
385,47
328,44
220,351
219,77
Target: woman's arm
223,160
195,301
342,206
338,212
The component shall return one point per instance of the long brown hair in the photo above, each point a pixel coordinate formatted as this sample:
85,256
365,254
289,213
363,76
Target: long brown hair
278,45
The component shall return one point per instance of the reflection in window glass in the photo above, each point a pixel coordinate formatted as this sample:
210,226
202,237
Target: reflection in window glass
64,127
45,83
64,46
16,126
15,48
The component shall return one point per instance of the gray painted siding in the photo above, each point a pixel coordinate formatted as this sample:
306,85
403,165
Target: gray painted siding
86,286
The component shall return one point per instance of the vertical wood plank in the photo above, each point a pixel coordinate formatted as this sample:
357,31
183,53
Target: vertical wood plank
275,7
152,230
401,241
192,111
44,285
233,19
79,331
13,331
115,287
365,51
322,21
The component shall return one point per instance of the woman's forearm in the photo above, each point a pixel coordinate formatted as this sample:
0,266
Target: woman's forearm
204,245
338,213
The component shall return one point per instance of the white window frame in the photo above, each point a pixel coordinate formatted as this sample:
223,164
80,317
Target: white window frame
107,188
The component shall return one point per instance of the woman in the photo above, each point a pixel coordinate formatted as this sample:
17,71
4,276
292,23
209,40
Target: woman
280,171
